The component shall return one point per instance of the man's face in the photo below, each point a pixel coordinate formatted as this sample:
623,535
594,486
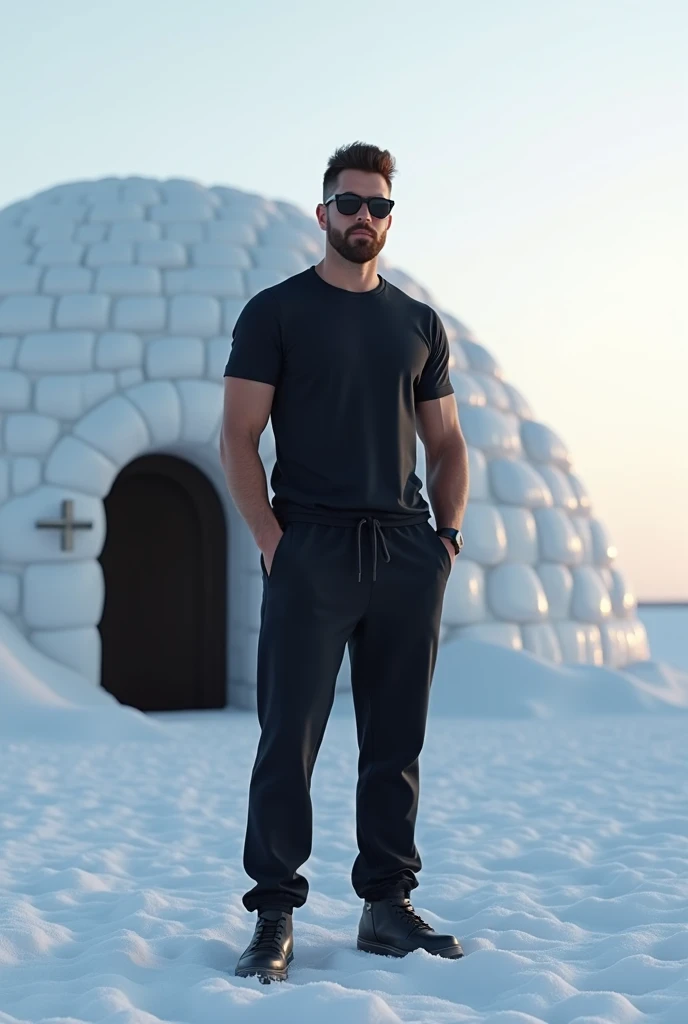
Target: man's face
357,238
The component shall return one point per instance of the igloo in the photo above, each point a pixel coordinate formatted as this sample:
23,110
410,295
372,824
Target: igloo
122,556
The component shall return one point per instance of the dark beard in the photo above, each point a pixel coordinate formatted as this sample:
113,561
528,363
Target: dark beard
355,250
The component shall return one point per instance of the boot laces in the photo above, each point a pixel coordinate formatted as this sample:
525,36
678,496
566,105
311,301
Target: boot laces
269,934
408,913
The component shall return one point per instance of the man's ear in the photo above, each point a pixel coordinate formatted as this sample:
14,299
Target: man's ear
321,215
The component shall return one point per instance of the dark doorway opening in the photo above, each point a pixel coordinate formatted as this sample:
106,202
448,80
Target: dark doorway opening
164,623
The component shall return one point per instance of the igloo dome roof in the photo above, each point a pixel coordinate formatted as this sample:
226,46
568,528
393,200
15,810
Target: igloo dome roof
138,279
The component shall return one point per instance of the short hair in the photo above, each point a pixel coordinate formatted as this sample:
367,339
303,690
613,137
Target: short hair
358,156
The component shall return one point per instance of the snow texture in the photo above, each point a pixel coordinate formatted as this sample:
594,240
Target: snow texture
557,851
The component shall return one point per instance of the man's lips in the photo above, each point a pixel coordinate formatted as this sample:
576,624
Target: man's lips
361,231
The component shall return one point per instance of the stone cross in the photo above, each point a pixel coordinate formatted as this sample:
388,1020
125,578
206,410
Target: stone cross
68,524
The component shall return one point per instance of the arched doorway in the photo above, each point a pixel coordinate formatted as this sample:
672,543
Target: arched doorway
163,628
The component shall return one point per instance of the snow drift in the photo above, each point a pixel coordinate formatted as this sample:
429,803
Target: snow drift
41,698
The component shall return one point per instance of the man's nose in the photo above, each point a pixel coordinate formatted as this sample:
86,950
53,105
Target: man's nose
363,214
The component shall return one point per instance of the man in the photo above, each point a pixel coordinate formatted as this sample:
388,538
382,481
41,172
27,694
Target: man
350,368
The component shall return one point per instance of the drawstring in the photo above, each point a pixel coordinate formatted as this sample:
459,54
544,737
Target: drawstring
377,531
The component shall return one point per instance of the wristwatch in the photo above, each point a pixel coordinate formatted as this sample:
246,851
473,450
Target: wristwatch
455,536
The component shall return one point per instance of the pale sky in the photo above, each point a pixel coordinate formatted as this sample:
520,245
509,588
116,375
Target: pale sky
542,148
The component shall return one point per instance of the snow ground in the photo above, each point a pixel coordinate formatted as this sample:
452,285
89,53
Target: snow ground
557,850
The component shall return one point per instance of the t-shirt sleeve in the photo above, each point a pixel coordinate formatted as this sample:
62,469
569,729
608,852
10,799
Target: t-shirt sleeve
434,380
256,351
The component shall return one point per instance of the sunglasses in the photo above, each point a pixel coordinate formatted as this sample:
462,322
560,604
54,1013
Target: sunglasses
349,203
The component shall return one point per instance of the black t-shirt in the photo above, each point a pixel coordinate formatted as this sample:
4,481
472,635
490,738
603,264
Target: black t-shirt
348,369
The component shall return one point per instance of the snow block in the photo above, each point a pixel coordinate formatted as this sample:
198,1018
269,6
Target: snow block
140,314
573,642
541,639
174,357
27,433
167,213
477,473
543,445
516,482
521,534
201,404
480,359
19,280
590,601
464,597
26,474
582,527
90,233
56,352
614,643
115,428
135,231
15,391
67,280
558,539
195,314
286,258
159,404
104,254
503,634
79,649
466,389
22,313
517,402
515,594
83,311
112,211
118,350
494,391
559,486
584,503
78,466
163,253
220,254
239,234
57,253
22,541
557,582
184,233
623,601
131,280
484,534
603,551
262,277
458,360
494,432
9,593
8,351
217,354
231,308
63,596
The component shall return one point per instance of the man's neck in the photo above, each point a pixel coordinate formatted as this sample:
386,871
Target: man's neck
352,277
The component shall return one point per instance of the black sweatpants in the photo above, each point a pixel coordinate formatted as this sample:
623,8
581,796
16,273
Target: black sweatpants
313,606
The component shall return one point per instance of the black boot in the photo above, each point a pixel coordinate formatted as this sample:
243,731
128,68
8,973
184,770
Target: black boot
391,927
271,949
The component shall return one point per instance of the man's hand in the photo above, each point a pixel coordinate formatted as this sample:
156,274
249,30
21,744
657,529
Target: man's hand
269,550
450,548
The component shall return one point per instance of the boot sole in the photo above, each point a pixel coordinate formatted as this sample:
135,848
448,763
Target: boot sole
265,977
448,953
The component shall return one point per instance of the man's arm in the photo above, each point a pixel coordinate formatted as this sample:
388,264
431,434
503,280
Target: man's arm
446,459
247,405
